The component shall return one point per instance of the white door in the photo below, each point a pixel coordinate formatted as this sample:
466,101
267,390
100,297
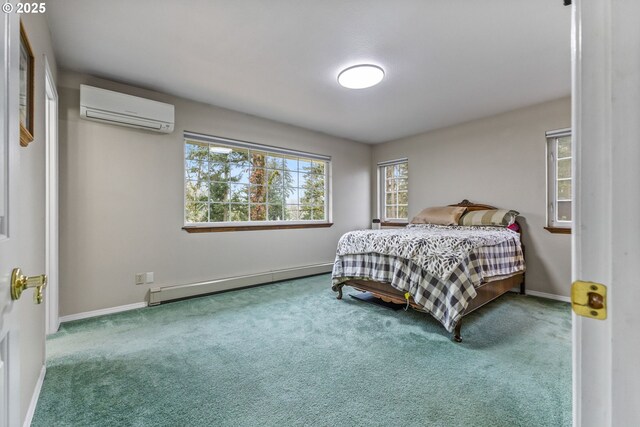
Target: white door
51,226
606,232
9,217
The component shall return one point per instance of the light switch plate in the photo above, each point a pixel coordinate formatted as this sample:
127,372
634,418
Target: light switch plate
149,277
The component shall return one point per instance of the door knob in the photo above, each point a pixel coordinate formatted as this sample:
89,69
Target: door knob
20,282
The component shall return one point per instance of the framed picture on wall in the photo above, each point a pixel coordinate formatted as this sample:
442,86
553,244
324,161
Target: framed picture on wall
26,89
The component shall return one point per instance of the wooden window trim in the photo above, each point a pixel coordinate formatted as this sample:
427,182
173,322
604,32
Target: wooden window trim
221,229
558,230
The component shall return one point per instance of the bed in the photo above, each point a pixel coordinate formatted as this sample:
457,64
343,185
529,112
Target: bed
448,271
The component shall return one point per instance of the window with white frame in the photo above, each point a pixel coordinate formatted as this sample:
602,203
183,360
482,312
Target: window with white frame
560,178
394,191
240,183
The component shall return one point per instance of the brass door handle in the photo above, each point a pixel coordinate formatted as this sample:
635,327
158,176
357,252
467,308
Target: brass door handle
20,282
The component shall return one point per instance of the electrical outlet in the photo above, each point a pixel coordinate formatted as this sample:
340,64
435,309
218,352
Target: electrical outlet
140,278
148,277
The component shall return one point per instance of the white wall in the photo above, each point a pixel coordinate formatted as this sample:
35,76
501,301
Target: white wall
32,219
121,203
499,161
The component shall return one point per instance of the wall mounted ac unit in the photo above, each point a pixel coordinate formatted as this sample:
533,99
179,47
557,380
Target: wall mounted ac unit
116,108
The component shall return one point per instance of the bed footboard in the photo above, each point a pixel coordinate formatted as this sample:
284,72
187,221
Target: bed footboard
487,292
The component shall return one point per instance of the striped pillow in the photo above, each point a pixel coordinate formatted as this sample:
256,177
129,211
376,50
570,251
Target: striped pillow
495,217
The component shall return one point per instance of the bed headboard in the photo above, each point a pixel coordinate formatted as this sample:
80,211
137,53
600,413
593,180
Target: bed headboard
473,206
480,207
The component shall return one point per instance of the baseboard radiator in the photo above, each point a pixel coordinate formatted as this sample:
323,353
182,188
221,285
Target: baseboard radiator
169,293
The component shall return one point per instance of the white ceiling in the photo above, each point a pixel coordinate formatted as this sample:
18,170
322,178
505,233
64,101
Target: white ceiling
446,61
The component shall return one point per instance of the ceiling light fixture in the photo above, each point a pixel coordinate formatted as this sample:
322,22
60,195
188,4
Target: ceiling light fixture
361,76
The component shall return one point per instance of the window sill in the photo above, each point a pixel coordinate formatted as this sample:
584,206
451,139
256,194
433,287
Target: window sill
224,228
393,224
558,230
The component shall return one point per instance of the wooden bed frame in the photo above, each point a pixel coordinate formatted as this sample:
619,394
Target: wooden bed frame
487,291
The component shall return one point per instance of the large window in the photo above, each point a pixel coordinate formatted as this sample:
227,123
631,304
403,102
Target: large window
231,182
394,195
559,179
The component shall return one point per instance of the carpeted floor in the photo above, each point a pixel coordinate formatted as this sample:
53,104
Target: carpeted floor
290,354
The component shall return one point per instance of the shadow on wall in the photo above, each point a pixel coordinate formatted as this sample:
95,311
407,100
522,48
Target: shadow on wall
533,261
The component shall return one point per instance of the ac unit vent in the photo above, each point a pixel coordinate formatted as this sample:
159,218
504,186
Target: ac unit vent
120,109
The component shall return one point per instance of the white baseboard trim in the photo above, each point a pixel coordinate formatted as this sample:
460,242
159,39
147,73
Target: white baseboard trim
55,328
548,296
34,398
168,293
102,312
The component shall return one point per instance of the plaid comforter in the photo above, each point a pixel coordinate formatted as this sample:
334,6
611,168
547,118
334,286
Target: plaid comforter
447,299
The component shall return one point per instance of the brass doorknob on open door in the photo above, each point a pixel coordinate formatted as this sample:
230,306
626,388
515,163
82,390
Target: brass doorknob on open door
20,282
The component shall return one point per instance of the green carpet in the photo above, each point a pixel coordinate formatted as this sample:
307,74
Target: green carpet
290,354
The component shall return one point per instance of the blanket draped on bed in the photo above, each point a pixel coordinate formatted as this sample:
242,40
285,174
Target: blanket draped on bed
438,249
440,266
